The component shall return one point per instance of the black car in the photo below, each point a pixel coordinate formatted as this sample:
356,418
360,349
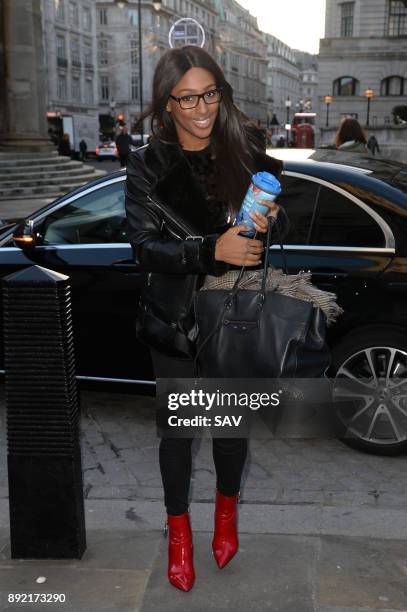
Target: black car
348,227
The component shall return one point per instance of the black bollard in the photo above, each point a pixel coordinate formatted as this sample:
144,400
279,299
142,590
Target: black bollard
47,518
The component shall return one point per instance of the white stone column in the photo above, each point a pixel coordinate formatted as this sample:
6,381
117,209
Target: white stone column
23,123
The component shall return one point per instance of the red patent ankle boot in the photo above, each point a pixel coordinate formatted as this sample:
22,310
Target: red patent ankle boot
181,572
225,541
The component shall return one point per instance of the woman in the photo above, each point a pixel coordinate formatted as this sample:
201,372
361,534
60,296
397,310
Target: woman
192,176
350,136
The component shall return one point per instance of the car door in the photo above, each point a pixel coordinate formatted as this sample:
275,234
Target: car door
86,239
337,237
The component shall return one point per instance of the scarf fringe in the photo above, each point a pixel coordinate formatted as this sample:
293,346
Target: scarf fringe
298,286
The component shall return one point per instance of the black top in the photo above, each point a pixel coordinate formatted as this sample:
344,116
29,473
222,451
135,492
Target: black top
204,169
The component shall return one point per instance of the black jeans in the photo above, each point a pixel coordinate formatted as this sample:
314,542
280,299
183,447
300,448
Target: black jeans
175,456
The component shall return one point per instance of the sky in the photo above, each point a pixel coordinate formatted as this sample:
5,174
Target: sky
297,23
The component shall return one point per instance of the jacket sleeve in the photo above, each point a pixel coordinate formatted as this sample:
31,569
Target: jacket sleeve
151,250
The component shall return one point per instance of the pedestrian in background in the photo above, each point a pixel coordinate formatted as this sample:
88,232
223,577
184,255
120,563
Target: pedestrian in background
83,147
64,147
373,145
123,143
350,136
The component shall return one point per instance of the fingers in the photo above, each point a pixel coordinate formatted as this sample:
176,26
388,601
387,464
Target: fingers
255,248
251,260
239,228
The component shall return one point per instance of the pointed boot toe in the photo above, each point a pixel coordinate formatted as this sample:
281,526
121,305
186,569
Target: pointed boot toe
225,543
181,573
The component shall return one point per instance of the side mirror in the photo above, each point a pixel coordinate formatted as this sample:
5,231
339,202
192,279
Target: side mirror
24,235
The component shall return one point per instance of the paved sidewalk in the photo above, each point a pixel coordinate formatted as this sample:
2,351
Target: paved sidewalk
125,571
322,527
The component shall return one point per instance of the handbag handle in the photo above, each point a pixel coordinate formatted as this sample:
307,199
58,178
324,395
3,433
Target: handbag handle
271,221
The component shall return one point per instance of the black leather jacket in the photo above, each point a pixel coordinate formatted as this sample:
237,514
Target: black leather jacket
172,240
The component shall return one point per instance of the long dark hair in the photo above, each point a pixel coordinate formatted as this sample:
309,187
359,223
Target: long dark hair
235,140
349,129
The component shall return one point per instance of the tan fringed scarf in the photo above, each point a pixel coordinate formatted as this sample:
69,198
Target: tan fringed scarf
297,286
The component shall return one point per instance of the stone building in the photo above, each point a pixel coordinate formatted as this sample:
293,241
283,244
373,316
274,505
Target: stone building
69,31
283,80
365,47
308,65
241,51
92,59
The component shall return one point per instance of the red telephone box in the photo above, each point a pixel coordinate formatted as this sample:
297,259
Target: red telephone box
305,136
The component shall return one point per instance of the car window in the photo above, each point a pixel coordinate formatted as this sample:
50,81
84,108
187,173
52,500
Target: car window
96,217
341,222
298,198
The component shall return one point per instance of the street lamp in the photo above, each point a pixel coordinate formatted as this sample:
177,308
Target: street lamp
157,6
287,127
328,101
369,93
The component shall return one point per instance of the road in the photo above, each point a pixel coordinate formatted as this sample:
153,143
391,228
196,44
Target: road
107,165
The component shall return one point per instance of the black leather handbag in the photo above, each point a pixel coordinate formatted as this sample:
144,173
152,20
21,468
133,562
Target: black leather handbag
259,333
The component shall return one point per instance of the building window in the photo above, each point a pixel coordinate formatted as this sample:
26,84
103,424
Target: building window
89,91
397,21
104,87
103,52
73,14
76,89
134,87
75,53
87,19
59,9
393,86
347,19
186,34
346,86
61,47
133,17
134,52
61,87
102,16
87,54
62,62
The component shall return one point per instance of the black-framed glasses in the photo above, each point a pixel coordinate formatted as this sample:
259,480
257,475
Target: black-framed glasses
192,100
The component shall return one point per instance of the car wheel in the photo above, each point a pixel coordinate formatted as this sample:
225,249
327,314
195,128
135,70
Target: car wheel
370,390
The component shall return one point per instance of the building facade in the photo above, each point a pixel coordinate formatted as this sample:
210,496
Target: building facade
241,52
365,48
308,66
69,31
93,58
283,81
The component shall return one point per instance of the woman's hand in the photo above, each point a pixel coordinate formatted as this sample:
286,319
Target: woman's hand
238,250
260,221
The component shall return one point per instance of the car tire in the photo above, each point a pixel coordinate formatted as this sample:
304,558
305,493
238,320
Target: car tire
357,353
